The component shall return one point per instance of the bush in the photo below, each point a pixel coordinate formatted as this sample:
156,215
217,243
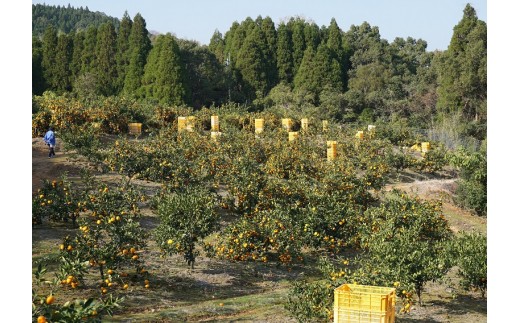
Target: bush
469,251
472,188
187,217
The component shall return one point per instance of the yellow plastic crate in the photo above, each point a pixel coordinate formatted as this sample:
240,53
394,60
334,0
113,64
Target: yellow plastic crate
287,124
331,150
364,304
259,125
305,124
425,147
215,124
181,123
190,123
134,128
293,135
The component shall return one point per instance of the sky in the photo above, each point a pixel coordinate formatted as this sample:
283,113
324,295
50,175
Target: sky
430,20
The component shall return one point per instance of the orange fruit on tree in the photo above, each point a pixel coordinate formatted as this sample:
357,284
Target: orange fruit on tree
42,319
50,299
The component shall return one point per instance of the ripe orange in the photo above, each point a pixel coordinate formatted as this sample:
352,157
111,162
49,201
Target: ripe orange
135,257
42,319
125,286
50,299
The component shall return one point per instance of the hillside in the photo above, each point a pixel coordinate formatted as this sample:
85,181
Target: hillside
66,19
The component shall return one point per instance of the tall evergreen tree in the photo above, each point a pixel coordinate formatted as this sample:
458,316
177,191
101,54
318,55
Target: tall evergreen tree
205,83
306,80
106,66
123,54
335,44
77,53
269,34
62,72
253,66
297,27
163,78
463,71
217,46
49,44
284,60
38,85
312,35
88,59
139,46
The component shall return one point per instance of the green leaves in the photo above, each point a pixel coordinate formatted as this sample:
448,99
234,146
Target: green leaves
469,253
187,217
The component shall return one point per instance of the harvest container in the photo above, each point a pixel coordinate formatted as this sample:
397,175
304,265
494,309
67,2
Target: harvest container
293,135
331,150
259,125
359,135
214,124
190,123
425,147
287,124
305,124
215,135
181,123
364,304
134,128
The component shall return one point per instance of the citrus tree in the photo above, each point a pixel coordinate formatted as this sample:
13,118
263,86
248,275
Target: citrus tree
57,201
109,235
469,252
46,308
186,218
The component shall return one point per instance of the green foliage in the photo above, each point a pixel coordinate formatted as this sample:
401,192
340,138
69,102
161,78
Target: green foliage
84,310
163,73
468,252
187,217
106,64
110,225
404,241
84,140
463,82
472,187
139,47
310,302
55,201
66,19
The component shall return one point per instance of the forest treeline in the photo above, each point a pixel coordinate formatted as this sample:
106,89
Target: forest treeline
296,64
66,19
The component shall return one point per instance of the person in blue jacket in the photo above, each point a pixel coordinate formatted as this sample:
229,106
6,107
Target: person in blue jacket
50,140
